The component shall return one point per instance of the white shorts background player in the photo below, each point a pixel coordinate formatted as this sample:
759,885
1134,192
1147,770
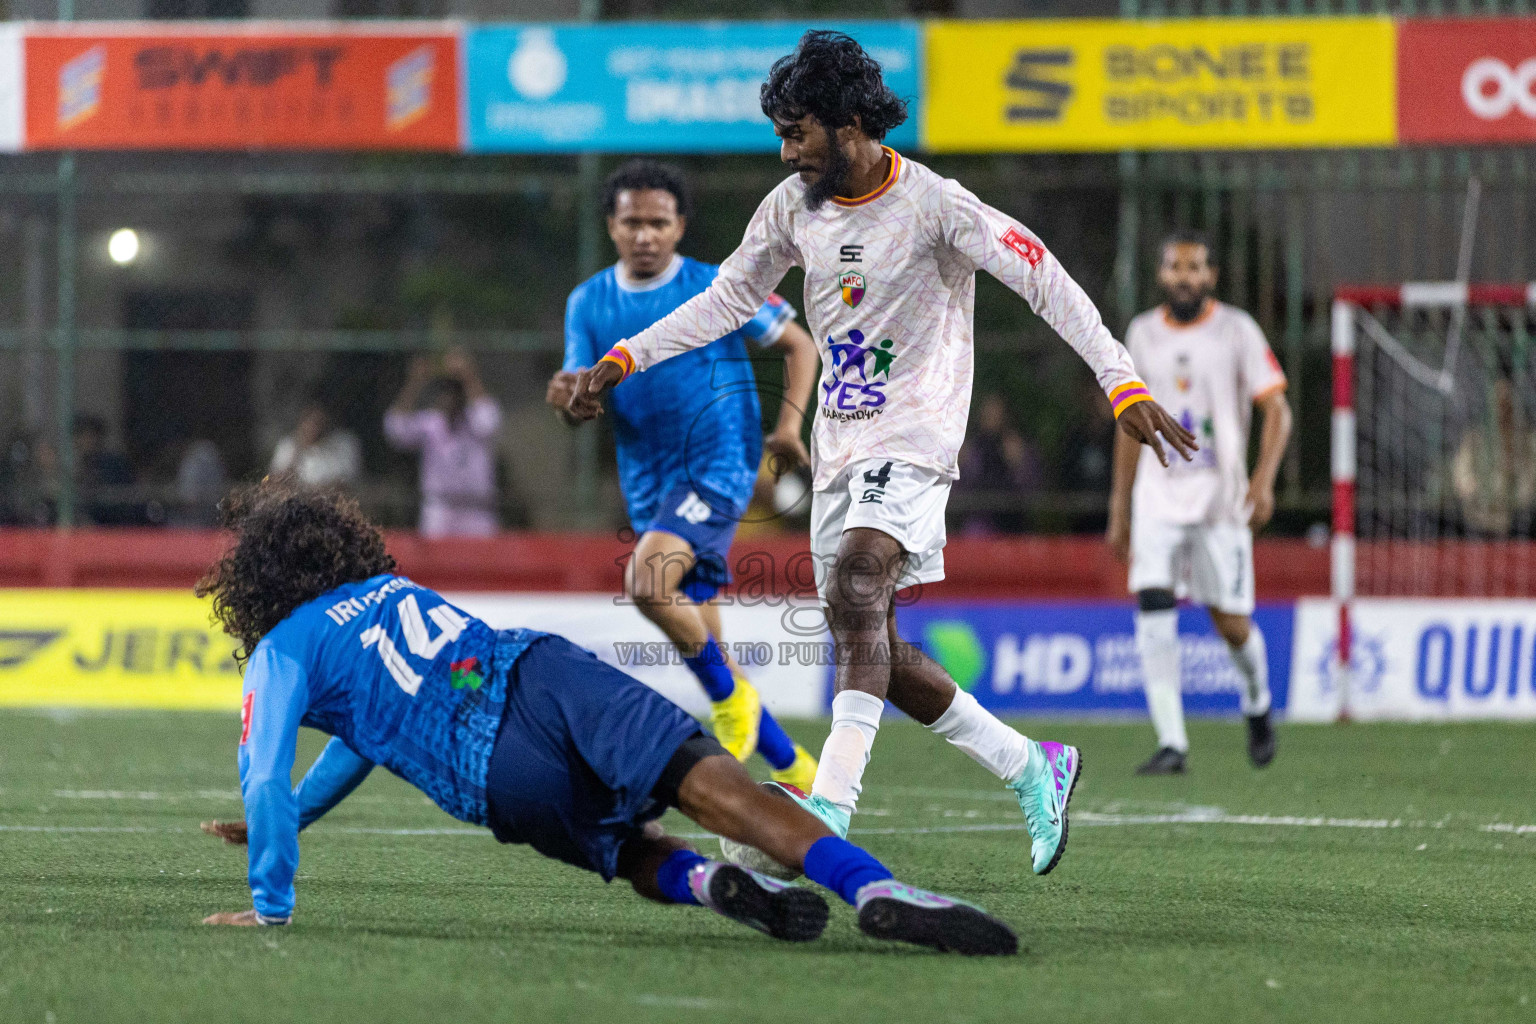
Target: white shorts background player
1187,529
890,252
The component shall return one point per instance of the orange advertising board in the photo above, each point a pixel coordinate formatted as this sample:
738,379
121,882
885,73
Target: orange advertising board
111,87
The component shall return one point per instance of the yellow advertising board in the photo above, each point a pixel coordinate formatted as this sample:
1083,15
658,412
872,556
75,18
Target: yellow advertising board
1207,83
113,648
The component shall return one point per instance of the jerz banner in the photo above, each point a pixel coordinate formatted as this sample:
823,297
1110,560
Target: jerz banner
1205,83
262,86
650,88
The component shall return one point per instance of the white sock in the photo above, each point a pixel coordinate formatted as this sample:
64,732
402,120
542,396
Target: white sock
1157,638
999,749
840,773
1252,661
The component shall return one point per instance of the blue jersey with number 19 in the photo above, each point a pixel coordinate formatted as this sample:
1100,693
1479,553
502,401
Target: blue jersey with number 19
693,420
395,672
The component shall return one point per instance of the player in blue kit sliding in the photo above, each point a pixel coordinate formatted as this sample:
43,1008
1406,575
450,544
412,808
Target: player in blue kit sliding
520,731
689,440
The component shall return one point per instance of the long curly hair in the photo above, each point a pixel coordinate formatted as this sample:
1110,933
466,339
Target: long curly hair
291,545
832,78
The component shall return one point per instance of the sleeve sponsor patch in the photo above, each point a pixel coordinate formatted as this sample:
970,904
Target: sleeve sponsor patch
245,717
1030,249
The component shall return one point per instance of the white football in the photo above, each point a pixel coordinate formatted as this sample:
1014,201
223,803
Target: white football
755,859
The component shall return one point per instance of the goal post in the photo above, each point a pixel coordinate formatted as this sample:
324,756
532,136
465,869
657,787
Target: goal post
1433,457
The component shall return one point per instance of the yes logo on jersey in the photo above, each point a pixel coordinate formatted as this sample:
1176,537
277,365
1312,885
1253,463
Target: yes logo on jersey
853,390
852,284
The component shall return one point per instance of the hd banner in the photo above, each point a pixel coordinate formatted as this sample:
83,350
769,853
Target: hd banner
649,88
1057,658
1200,83
271,86
12,72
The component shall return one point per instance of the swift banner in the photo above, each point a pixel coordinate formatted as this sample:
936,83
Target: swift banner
1229,83
196,88
1060,658
648,88
11,81
113,648
1467,82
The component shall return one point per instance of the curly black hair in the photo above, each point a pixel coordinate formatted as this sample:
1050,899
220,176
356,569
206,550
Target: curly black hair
1189,236
292,544
633,175
831,78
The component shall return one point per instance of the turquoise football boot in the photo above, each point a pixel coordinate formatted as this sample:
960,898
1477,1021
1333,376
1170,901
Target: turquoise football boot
903,913
1043,791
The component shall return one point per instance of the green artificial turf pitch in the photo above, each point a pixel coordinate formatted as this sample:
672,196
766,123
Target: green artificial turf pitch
1357,878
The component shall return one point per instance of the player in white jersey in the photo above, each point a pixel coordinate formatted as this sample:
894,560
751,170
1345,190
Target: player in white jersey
890,251
1187,529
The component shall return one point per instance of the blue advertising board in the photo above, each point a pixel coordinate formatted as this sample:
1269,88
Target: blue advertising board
1061,658
648,88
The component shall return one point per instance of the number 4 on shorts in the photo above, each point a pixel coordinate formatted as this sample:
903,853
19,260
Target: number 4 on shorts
879,480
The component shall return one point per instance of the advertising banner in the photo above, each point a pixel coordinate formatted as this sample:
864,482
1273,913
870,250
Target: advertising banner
644,88
12,81
272,87
1207,83
1418,660
1057,658
113,648
1467,82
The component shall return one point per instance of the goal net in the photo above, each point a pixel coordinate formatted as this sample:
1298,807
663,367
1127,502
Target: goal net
1434,446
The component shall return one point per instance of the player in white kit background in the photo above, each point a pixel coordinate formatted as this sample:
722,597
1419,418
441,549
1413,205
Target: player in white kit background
890,252
1187,528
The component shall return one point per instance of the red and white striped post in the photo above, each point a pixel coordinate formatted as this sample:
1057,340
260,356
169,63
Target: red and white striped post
1342,471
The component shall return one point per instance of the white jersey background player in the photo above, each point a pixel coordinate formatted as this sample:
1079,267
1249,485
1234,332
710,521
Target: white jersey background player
890,252
1187,528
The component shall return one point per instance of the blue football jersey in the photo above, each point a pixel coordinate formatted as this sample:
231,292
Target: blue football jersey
400,678
692,419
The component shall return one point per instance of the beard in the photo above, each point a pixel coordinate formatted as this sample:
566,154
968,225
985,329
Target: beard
831,181
1187,311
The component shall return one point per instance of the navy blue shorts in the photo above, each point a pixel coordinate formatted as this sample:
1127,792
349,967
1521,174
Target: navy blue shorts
581,748
708,524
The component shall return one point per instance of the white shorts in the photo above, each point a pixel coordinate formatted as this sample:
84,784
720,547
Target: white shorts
1208,563
905,502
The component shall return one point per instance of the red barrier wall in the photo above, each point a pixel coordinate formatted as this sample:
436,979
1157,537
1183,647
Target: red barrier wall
1018,567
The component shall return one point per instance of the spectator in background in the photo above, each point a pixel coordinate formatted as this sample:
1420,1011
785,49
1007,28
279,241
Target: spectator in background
1494,471
103,478
201,480
316,454
456,436
996,464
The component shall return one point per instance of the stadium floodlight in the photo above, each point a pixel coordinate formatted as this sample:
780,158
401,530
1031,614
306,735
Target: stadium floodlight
1434,445
123,246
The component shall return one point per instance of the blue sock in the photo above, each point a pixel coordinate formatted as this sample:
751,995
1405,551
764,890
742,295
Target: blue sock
710,667
842,867
672,876
774,743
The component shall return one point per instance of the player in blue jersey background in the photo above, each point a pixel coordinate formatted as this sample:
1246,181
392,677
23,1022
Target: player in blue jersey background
520,731
689,441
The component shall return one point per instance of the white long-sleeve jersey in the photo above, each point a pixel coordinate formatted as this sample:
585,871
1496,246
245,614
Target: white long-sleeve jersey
890,286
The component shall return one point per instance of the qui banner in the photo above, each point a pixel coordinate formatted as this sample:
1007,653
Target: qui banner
1418,660
1467,82
648,88
1228,83
199,88
1058,658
